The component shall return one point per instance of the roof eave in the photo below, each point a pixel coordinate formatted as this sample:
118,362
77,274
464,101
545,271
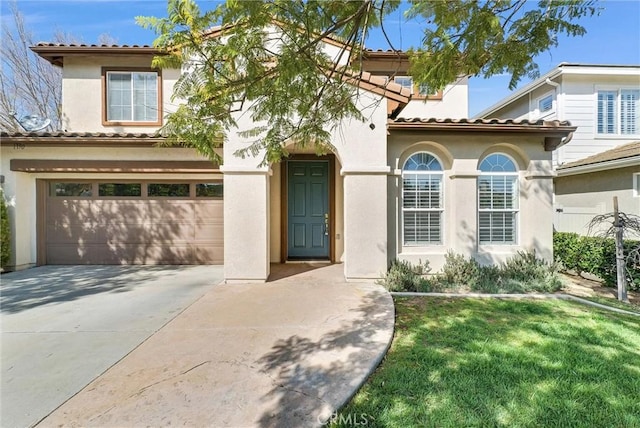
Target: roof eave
565,171
554,136
55,54
76,139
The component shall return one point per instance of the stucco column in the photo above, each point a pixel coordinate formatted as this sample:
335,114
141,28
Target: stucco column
536,210
463,233
246,225
21,204
365,223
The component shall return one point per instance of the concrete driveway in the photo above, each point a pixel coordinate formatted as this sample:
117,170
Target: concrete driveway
287,353
63,326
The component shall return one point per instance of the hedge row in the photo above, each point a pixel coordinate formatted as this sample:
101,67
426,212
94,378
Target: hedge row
596,256
5,233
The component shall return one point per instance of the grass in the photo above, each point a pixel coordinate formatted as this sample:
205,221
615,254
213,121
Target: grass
486,362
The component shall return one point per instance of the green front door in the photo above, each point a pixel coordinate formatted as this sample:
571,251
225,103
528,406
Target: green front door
308,209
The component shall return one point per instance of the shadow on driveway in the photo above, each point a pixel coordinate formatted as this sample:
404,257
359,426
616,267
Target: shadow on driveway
43,285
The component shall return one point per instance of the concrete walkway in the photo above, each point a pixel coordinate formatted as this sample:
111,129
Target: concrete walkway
282,354
63,326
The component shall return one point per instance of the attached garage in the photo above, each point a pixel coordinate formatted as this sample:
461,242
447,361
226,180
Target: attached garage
132,222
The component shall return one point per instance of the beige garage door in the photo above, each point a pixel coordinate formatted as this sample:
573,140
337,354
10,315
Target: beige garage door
89,222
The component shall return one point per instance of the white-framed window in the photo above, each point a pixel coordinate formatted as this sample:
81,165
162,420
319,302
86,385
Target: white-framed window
132,96
498,200
636,185
422,200
618,112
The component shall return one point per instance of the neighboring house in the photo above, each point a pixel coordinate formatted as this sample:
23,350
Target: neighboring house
396,187
587,187
603,157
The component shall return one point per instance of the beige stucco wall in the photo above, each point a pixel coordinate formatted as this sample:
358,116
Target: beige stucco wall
82,103
454,103
579,197
20,187
459,154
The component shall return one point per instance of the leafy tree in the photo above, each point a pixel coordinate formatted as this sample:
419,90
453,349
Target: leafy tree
268,57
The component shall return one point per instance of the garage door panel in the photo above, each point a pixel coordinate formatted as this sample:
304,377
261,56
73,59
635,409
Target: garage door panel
213,252
167,211
209,233
208,211
60,233
122,211
134,231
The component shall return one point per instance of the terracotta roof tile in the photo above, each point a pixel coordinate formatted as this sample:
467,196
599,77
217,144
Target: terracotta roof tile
621,152
78,135
465,121
83,45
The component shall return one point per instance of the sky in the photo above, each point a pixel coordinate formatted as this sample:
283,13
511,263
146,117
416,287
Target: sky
613,37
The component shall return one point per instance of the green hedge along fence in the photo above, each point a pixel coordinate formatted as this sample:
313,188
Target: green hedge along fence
596,256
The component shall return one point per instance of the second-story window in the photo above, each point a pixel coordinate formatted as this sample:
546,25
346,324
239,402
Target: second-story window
132,97
619,112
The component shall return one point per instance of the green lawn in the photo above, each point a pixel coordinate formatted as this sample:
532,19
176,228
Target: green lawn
485,362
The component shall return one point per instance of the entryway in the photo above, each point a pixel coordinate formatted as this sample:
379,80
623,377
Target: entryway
309,217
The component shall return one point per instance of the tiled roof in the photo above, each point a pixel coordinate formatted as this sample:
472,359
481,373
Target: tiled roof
389,87
61,134
55,52
95,139
551,124
83,45
617,153
555,133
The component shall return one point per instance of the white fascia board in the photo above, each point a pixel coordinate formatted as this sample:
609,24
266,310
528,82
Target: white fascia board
600,166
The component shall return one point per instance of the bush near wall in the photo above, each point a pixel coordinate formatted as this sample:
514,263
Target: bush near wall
5,233
594,255
522,273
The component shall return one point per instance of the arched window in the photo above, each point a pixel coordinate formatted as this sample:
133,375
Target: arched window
422,200
498,200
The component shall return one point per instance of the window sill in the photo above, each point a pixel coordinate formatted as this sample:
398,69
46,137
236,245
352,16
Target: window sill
141,124
423,249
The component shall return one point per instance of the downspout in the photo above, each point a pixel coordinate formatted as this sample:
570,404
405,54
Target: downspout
565,140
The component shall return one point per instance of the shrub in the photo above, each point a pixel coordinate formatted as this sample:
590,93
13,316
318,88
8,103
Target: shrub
458,271
525,272
5,233
403,276
594,255
522,273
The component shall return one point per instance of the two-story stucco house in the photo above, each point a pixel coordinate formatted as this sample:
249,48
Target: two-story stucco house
414,181
602,160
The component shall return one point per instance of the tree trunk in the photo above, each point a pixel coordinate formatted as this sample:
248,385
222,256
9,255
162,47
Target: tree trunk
620,264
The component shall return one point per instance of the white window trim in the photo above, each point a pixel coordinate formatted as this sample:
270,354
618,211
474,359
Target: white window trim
515,210
617,135
635,185
109,121
440,210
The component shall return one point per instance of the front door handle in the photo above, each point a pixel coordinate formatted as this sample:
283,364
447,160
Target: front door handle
326,224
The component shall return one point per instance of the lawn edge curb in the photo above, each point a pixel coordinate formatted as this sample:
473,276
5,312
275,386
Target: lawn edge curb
559,296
